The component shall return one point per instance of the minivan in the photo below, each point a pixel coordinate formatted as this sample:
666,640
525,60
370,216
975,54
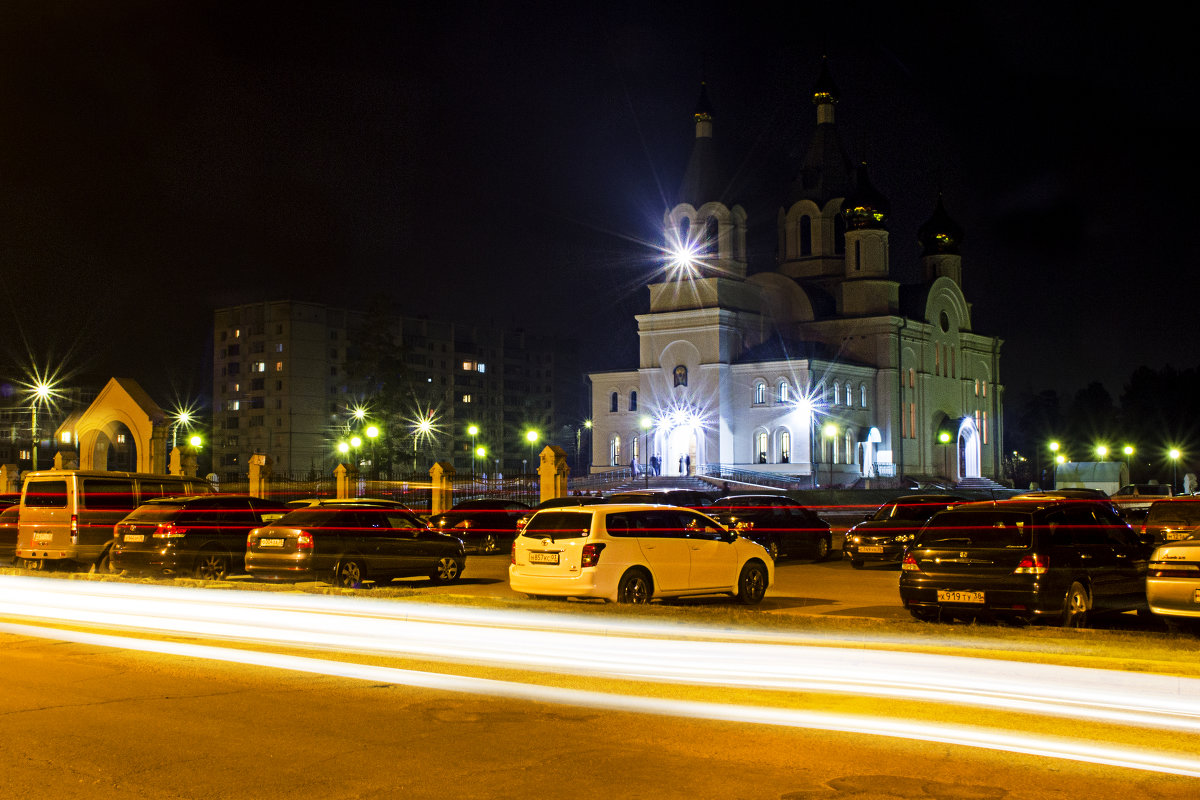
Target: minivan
67,516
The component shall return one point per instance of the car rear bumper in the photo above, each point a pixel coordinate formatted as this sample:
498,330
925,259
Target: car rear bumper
585,583
1179,597
164,561
1027,600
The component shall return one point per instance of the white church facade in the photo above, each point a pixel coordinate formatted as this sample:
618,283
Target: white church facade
825,368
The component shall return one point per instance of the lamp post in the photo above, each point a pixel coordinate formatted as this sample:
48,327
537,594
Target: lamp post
184,418
41,392
1102,451
473,431
646,424
1128,451
1058,459
1174,454
478,452
372,435
829,432
531,437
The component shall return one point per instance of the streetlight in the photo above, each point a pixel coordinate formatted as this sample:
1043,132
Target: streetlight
531,437
182,417
1102,451
473,431
422,430
646,424
1174,454
478,452
829,432
42,391
195,441
372,434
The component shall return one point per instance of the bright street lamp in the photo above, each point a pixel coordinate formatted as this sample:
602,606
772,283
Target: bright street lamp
195,441
1102,451
1174,454
531,437
473,431
41,391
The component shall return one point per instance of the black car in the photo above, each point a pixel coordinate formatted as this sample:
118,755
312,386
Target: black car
203,535
485,525
777,522
1056,560
353,544
687,498
884,535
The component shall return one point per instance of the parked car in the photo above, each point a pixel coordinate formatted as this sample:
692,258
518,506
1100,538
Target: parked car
67,516
1172,581
203,536
487,525
353,543
1070,493
1135,497
1172,520
686,498
884,535
778,523
634,553
559,502
8,532
1032,560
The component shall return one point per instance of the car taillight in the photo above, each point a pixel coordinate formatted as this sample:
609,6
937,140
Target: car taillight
74,529
512,558
167,530
1032,565
591,554
910,563
1167,569
304,541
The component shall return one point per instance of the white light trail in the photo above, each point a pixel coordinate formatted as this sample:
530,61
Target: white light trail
1027,744
617,649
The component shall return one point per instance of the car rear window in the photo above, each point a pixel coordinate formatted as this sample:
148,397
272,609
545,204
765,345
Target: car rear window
157,512
987,529
558,525
46,494
1165,513
910,512
315,517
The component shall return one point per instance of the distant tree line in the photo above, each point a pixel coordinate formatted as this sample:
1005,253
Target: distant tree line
1158,410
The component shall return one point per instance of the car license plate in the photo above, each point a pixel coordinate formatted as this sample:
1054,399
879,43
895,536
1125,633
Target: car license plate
270,542
1172,536
945,596
43,538
135,537
543,558
870,548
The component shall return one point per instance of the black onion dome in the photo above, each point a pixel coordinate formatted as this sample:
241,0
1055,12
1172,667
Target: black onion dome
704,179
940,235
825,90
865,207
704,109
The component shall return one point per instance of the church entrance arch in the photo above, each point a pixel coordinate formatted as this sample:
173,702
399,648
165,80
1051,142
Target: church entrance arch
968,450
683,450
123,429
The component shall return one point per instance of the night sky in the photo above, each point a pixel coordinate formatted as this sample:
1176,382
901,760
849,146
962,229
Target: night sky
510,163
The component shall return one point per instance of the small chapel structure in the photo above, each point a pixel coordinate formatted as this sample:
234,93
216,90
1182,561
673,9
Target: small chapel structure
826,366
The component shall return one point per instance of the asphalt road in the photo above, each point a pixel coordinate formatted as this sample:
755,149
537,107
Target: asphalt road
86,721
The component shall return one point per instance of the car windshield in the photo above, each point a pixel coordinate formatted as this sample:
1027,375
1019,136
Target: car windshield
558,525
314,517
915,512
989,529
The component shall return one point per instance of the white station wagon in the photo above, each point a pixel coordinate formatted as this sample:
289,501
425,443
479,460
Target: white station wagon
632,553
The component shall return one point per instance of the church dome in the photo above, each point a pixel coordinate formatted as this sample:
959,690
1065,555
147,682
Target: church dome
865,207
940,235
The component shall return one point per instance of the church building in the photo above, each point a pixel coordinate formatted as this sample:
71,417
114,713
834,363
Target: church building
826,368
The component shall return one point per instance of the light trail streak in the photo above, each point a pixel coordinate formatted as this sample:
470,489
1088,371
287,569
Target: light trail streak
607,649
1027,744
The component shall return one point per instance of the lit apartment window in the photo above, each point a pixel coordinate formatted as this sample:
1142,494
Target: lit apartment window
279,366
466,398
260,366
279,347
235,405
25,455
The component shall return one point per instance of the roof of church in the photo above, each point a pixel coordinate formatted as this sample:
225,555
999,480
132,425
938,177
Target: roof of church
826,171
777,349
703,180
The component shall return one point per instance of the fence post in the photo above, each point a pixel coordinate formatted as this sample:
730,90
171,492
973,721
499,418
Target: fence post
10,478
183,461
442,496
260,473
552,472
345,478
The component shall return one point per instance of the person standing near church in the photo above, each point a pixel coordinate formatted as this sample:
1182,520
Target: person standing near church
687,464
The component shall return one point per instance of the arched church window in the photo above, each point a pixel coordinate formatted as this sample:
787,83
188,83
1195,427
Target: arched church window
837,393
614,450
633,401
760,393
612,402
862,395
806,235
849,447
710,237
839,235
785,447
785,391
760,447
680,375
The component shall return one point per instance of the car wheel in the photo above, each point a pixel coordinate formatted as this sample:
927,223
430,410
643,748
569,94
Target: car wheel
213,565
488,544
349,574
634,588
773,549
104,565
1075,607
752,584
821,549
857,563
447,571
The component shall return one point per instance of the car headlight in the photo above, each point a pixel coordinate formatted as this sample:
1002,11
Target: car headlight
904,537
